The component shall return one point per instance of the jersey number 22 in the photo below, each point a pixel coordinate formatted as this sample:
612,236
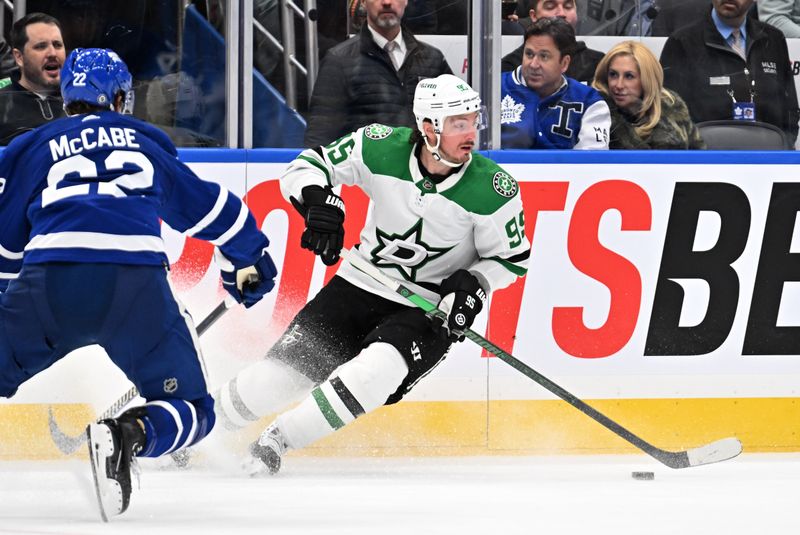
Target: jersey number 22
86,168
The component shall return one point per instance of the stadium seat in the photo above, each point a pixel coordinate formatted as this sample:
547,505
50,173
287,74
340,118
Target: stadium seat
742,135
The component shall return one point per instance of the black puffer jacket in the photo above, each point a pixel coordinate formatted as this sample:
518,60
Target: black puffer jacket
358,85
701,67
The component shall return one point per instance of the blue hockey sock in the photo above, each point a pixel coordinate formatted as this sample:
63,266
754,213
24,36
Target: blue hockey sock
174,424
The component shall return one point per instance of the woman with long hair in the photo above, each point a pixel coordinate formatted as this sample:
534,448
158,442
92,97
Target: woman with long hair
644,114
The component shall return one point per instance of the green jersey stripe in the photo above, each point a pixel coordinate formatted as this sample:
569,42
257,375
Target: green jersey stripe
318,165
513,268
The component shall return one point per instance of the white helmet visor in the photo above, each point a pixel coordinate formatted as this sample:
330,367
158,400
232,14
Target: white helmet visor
457,125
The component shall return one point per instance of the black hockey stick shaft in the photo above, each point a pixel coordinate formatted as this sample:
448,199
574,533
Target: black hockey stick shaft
213,316
68,445
714,452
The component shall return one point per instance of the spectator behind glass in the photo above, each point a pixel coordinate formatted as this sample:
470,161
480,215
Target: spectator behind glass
583,60
540,108
35,97
7,63
717,82
783,14
644,115
509,22
675,14
359,82
616,17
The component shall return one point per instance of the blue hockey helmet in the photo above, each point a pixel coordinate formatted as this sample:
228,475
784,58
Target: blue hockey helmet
96,76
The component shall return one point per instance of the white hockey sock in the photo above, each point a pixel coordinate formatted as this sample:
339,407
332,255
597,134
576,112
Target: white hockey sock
355,388
262,388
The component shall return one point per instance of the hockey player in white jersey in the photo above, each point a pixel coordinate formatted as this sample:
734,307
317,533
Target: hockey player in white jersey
444,221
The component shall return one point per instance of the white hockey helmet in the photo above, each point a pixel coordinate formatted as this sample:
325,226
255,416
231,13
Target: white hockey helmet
443,96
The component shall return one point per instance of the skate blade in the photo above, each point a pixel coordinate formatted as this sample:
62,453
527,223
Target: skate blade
108,491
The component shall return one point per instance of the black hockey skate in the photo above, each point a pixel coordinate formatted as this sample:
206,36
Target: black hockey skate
268,449
112,445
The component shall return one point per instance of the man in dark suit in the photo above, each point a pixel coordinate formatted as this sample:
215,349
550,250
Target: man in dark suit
371,77
730,66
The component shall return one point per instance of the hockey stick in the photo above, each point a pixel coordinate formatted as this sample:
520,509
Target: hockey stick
68,445
714,452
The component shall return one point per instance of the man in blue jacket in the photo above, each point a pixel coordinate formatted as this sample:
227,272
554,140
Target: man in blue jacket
543,109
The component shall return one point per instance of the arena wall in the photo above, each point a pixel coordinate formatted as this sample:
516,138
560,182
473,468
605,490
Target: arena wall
663,289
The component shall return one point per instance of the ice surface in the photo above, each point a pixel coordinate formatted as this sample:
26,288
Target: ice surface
754,493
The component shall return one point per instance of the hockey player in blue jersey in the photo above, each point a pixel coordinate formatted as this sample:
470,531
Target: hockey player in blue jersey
543,109
82,262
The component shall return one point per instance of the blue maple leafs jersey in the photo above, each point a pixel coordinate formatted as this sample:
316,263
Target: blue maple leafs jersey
574,117
92,188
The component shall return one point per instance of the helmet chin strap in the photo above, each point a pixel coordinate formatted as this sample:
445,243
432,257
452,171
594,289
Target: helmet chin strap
435,152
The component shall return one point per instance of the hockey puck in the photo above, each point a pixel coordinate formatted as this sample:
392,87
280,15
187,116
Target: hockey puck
647,476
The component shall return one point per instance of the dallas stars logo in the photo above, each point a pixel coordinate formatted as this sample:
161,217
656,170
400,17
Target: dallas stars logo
405,252
504,184
378,131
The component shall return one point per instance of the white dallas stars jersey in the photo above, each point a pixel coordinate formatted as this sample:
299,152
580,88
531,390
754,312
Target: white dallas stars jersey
417,231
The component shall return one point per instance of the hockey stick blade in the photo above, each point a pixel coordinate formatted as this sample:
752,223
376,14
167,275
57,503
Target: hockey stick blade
69,445
720,450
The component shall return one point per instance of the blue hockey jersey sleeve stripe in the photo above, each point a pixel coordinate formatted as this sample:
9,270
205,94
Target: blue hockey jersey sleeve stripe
236,227
212,215
8,275
11,255
96,240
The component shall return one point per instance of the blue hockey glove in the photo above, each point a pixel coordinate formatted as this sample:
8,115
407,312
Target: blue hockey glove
462,300
248,285
323,211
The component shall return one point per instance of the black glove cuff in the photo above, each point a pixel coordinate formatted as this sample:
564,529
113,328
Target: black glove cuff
462,280
319,196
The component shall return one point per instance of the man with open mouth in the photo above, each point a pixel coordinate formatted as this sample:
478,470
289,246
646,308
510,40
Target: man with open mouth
34,98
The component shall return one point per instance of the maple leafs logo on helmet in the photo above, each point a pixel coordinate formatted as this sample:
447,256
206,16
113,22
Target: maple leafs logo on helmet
96,76
504,184
378,131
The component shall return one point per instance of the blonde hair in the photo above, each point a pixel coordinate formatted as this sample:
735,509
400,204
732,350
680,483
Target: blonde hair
652,78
